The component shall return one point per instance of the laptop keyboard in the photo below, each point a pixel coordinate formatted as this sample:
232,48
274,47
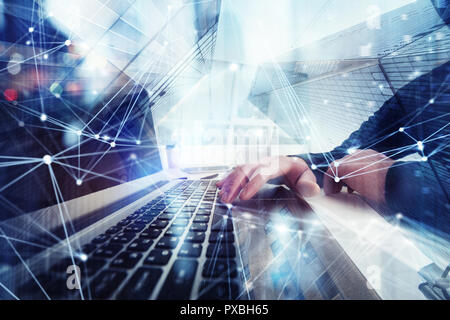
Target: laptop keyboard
184,228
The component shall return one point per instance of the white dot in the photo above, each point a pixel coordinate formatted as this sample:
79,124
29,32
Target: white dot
43,117
97,136
337,179
45,56
30,29
313,167
28,42
68,42
113,144
401,129
399,216
431,101
47,159
21,123
420,145
424,159
336,164
234,67
83,257
138,142
79,182
78,132
229,205
105,137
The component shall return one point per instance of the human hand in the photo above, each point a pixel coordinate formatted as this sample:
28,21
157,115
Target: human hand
248,179
363,171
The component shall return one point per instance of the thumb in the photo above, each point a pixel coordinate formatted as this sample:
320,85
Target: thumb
307,185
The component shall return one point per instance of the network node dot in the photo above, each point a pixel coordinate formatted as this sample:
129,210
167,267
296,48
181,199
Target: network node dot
47,159
401,129
313,167
83,257
97,136
336,164
399,216
21,124
431,101
234,67
78,132
30,29
337,179
79,182
420,145
113,144
229,205
43,117
138,142
424,159
67,42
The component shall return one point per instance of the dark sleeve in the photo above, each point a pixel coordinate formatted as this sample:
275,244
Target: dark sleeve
379,133
413,190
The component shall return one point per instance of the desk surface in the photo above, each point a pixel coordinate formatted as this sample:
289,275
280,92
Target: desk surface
388,260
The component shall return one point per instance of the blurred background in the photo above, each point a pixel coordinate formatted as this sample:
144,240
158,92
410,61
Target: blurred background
116,90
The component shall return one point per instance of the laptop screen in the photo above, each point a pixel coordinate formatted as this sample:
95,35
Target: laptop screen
66,131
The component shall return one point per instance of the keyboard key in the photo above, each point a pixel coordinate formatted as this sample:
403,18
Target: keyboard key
126,260
214,268
192,250
150,233
123,237
175,231
166,216
106,283
224,290
179,281
158,257
222,224
203,212
167,242
101,238
141,244
135,227
143,220
171,210
108,251
159,224
124,222
197,237
201,219
199,226
218,236
185,215
141,284
221,250
180,222
113,230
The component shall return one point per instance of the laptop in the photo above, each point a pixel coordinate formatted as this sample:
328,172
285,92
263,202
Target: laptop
168,236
